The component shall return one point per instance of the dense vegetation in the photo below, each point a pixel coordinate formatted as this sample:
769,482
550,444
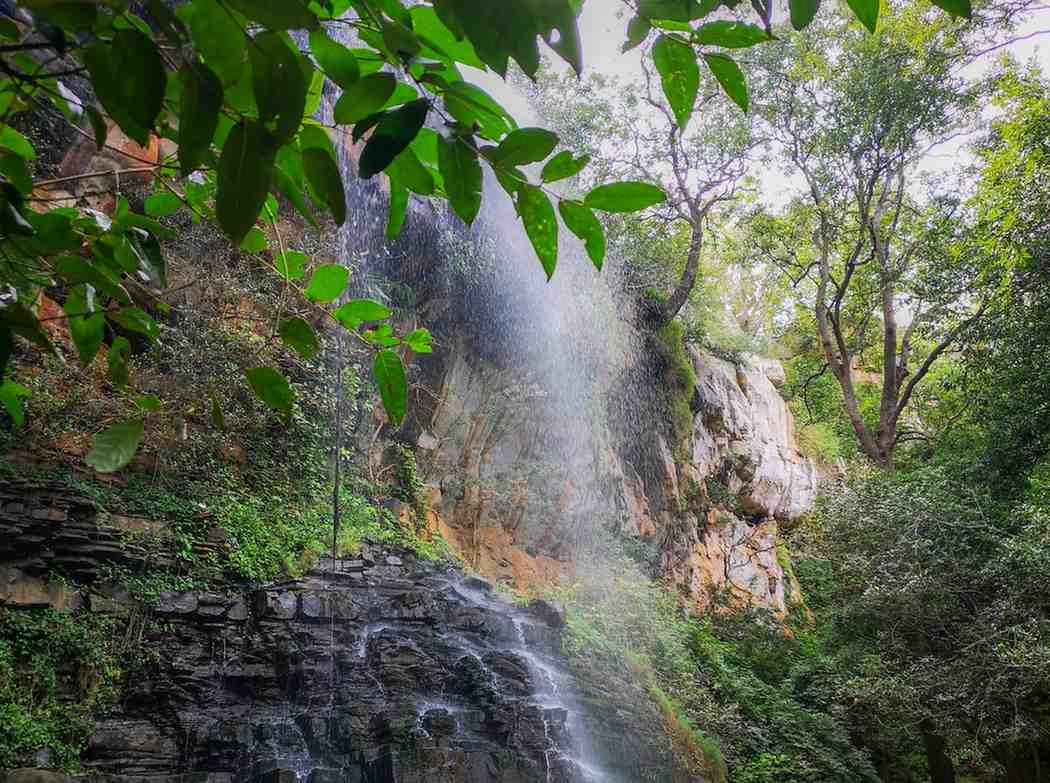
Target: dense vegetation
913,315
909,308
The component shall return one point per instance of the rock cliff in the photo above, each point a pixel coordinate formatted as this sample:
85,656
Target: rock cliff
383,668
710,506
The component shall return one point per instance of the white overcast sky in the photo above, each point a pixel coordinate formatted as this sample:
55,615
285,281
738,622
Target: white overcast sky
603,34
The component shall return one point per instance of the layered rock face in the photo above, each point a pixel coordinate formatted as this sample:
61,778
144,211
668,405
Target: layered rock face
746,433
378,669
508,467
743,447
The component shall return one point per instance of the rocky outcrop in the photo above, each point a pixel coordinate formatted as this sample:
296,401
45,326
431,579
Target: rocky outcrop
380,668
46,529
520,487
746,434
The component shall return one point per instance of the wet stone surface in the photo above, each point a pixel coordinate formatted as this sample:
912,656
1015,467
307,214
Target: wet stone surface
380,669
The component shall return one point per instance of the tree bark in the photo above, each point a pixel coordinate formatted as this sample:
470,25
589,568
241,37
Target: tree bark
680,295
940,764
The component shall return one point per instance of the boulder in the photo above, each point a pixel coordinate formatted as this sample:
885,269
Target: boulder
551,613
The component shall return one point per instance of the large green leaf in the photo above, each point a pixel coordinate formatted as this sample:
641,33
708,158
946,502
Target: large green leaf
135,319
290,180
541,225
392,136
114,447
9,398
434,34
364,97
956,8
278,83
22,321
327,283
525,145
129,77
624,197
217,37
163,203
398,208
730,77
637,31
564,165
76,269
357,311
271,387
407,170
674,10
291,264
87,324
420,341
802,12
254,241
580,220
461,172
393,388
323,175
501,30
300,336
338,62
277,14
11,139
117,358
679,75
201,101
731,35
470,105
14,170
243,178
867,11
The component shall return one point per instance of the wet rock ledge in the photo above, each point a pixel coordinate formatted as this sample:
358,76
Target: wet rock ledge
378,669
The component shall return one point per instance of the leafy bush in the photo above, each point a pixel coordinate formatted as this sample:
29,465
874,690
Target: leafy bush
679,376
46,657
911,574
731,688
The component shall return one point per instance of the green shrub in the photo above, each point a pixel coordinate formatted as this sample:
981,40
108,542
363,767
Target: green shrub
56,671
701,748
731,689
679,377
820,441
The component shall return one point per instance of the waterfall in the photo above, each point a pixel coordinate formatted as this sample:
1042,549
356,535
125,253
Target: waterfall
470,680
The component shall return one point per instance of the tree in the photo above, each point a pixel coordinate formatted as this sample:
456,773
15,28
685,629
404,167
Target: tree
876,263
225,81
940,592
1006,378
694,147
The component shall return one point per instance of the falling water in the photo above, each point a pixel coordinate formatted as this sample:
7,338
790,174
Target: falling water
567,343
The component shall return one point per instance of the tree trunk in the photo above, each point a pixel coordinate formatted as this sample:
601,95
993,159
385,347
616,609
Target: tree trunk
681,293
1025,762
937,759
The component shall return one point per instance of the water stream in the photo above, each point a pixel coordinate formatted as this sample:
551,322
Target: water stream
501,291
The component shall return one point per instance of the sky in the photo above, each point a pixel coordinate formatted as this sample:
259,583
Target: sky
603,30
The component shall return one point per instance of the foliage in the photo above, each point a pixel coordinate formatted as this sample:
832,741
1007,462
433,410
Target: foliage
705,752
632,130
739,680
857,243
679,377
410,486
1005,375
226,81
45,655
939,594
